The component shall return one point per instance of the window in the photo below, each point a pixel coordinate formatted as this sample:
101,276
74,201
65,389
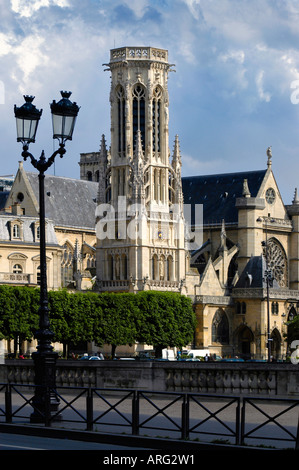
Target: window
38,275
124,267
121,120
139,114
16,232
241,307
156,116
169,267
17,269
220,328
67,266
274,308
155,267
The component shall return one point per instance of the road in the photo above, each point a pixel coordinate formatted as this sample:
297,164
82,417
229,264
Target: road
214,424
22,442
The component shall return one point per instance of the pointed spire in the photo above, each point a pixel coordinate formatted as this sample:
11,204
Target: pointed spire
223,235
137,170
138,153
176,158
246,192
103,148
296,198
269,155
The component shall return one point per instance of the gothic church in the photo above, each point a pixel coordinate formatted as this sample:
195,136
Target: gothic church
245,230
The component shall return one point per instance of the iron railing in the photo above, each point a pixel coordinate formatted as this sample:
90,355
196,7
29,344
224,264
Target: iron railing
179,415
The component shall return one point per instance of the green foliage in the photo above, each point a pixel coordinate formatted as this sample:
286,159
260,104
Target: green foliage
158,318
165,319
293,330
18,312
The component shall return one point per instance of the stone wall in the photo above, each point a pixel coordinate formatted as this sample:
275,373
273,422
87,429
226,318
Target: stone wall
281,380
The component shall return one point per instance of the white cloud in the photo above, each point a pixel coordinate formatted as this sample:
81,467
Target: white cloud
193,7
264,96
5,44
27,8
29,55
235,56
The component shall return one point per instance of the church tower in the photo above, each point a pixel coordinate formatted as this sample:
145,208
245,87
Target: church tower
139,218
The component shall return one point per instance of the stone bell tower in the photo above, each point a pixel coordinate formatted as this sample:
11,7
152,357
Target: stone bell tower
139,219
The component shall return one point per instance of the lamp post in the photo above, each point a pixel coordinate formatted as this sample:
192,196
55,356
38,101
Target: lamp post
64,115
269,283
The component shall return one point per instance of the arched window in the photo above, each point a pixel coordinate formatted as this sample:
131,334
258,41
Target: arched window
277,261
110,267
138,113
121,123
67,265
169,267
220,328
124,267
17,269
89,176
155,267
156,118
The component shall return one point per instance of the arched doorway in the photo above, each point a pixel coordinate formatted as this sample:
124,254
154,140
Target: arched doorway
275,344
245,340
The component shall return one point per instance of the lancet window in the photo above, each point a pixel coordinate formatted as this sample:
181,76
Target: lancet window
121,121
139,114
156,116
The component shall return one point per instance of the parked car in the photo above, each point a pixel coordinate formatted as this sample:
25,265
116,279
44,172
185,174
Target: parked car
90,358
232,359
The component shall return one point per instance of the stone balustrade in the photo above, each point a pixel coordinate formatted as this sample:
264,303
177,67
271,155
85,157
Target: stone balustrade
281,380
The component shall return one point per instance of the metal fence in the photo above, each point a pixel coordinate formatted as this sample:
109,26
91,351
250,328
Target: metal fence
234,420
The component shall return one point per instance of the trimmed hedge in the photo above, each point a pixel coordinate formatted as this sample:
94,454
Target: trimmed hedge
158,318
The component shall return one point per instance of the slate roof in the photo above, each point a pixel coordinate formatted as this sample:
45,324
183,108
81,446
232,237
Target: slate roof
218,193
27,229
68,202
255,268
3,198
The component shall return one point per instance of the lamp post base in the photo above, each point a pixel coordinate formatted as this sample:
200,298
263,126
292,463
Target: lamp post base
45,401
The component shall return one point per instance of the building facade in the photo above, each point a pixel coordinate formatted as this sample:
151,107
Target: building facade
126,224
140,220
247,232
70,239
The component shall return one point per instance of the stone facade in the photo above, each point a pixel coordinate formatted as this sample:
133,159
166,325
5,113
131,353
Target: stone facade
126,223
246,229
140,220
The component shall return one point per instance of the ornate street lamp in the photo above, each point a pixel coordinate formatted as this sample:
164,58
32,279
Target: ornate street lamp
64,115
268,277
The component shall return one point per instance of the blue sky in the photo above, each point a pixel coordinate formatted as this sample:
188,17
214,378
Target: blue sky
234,92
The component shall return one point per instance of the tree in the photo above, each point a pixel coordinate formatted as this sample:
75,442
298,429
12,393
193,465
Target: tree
165,319
293,330
119,313
19,313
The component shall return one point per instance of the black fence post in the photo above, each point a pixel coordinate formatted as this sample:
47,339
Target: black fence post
135,413
238,422
47,407
243,421
89,410
8,404
297,436
185,417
